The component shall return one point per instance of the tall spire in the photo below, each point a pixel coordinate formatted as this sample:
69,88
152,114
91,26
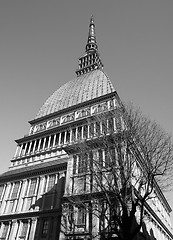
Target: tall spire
91,43
91,60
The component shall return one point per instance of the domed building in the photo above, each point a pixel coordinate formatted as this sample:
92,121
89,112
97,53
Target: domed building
48,165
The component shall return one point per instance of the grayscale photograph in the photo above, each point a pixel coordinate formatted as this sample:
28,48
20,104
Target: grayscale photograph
86,120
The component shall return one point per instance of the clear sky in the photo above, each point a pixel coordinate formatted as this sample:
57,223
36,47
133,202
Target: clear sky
41,40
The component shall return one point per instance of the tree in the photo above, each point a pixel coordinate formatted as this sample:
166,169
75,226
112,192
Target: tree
119,184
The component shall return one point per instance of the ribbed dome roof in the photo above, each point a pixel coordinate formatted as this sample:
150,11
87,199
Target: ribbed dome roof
84,88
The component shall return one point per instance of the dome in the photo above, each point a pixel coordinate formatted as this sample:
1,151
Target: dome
86,87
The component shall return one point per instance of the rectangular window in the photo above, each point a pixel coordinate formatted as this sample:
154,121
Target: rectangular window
51,182
91,130
74,164
118,123
51,140
5,231
15,190
97,128
100,153
32,187
41,144
81,216
85,131
28,202
45,183
110,125
68,136
46,143
112,154
37,144
74,134
45,227
1,191
26,188
82,164
79,131
32,146
24,230
62,137
107,158
10,206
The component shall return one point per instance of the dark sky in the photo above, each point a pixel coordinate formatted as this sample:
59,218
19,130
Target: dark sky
41,40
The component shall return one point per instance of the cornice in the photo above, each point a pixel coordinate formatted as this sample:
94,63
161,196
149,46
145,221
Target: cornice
153,214
66,110
27,173
25,215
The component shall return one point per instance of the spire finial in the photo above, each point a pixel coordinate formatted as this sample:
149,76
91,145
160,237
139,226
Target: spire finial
91,43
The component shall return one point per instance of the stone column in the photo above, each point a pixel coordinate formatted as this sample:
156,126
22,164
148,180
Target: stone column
65,137
33,225
71,133
59,141
40,192
95,220
82,136
49,142
4,202
88,131
39,145
35,193
94,128
114,124
1,228
44,143
77,163
29,147
76,134
14,230
17,149
21,199
54,140
18,198
34,146
19,228
3,192
25,148
9,230
21,146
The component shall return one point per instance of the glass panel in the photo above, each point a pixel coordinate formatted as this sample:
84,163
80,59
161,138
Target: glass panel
10,207
51,182
45,227
81,216
32,187
15,190
5,231
1,190
82,165
74,164
24,230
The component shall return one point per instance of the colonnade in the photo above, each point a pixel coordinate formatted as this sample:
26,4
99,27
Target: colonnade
68,136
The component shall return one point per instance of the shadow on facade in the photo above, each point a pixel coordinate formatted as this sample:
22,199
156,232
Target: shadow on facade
145,235
48,217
